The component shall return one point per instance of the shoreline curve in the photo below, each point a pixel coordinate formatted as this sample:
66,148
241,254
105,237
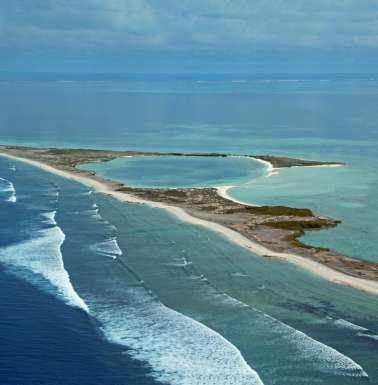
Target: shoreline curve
104,187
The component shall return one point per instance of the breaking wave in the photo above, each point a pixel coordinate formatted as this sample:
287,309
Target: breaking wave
321,356
49,217
180,350
108,248
42,255
7,191
314,353
359,330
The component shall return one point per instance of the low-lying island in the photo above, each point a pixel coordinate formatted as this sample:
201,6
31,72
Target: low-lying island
270,231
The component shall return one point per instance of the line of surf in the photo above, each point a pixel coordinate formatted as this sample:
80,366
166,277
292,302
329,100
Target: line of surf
179,349
314,267
9,188
108,248
326,358
42,255
359,330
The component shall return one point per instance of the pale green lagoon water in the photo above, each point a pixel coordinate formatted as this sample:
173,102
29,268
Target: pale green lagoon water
346,193
177,171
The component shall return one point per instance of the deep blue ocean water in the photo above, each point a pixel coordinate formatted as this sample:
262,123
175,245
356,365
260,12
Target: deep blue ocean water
43,341
98,292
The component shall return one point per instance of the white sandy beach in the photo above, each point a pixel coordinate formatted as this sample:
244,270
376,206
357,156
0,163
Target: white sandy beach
270,171
223,190
233,236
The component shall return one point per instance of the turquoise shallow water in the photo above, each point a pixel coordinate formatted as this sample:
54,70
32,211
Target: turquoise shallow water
346,193
233,291
145,297
333,118
176,171
141,272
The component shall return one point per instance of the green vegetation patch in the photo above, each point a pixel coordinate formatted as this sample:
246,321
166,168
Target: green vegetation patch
280,211
298,228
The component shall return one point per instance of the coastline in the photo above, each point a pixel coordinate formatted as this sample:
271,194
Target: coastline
222,192
270,171
109,188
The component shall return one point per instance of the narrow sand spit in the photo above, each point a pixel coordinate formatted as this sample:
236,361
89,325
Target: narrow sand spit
105,187
223,192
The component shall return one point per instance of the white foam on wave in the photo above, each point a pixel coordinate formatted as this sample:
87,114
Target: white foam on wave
368,335
88,193
109,248
42,255
12,198
49,217
348,325
326,358
360,330
8,187
322,357
180,350
92,212
55,193
179,262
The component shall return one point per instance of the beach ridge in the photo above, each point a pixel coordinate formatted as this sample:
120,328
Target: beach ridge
49,162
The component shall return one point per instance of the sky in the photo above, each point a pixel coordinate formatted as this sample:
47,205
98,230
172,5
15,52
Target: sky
174,36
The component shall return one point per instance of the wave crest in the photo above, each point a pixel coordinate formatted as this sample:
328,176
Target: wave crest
180,350
7,191
42,255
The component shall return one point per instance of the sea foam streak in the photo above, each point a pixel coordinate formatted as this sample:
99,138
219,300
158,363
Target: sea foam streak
50,217
8,187
329,358
108,248
359,330
180,350
320,356
42,255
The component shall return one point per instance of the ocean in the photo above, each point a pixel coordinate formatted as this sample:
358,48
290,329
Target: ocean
95,291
